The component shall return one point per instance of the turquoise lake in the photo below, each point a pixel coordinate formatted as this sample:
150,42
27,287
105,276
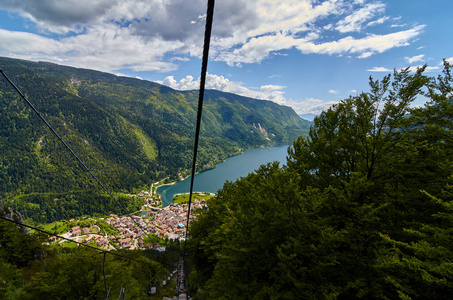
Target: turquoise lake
231,169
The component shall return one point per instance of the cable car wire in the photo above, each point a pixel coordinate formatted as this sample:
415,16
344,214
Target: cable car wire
207,38
69,148
204,66
62,237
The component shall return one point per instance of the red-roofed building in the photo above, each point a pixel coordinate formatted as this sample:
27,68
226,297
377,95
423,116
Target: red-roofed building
102,242
125,243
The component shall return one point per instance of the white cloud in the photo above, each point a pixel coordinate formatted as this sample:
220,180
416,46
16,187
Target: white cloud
106,48
413,59
61,16
379,69
147,35
397,25
273,93
257,49
378,21
411,69
428,69
186,83
310,105
365,54
370,43
176,58
354,21
333,92
220,83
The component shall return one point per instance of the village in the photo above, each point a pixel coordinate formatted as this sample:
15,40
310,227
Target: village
132,232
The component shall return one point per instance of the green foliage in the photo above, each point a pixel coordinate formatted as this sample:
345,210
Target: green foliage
29,270
10,280
363,208
184,198
129,132
17,247
78,274
49,207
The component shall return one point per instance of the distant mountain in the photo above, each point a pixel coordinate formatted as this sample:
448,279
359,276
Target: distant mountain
308,117
130,132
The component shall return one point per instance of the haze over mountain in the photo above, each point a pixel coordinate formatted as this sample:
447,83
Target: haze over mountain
130,132
308,117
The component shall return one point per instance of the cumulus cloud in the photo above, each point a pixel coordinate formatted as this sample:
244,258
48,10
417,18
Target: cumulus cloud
273,93
333,92
60,16
266,92
107,48
98,33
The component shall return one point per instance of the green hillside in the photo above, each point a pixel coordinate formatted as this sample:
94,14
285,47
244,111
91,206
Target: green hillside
130,132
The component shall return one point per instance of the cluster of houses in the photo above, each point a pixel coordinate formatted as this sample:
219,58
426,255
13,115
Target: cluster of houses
131,234
100,240
168,223
76,231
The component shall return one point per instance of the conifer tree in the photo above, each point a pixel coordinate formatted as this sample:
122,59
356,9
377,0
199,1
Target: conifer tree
362,209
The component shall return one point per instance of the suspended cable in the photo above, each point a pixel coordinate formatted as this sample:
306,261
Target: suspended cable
69,148
207,38
204,66
63,238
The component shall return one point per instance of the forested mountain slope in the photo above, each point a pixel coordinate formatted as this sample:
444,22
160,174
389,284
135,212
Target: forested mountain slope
130,132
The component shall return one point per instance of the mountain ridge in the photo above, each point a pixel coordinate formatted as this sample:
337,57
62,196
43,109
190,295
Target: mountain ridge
129,131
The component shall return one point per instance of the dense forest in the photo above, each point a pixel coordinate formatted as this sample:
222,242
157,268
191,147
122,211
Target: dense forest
362,210
129,132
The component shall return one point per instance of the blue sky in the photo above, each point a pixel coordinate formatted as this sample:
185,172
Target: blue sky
307,54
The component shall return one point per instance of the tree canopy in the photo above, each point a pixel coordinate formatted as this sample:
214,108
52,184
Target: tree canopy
361,210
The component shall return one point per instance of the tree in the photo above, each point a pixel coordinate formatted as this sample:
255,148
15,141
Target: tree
356,212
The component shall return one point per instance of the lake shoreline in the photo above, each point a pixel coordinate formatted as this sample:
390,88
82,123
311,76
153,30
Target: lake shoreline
231,169
207,169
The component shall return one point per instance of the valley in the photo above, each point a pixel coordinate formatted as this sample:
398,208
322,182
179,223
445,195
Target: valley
129,132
